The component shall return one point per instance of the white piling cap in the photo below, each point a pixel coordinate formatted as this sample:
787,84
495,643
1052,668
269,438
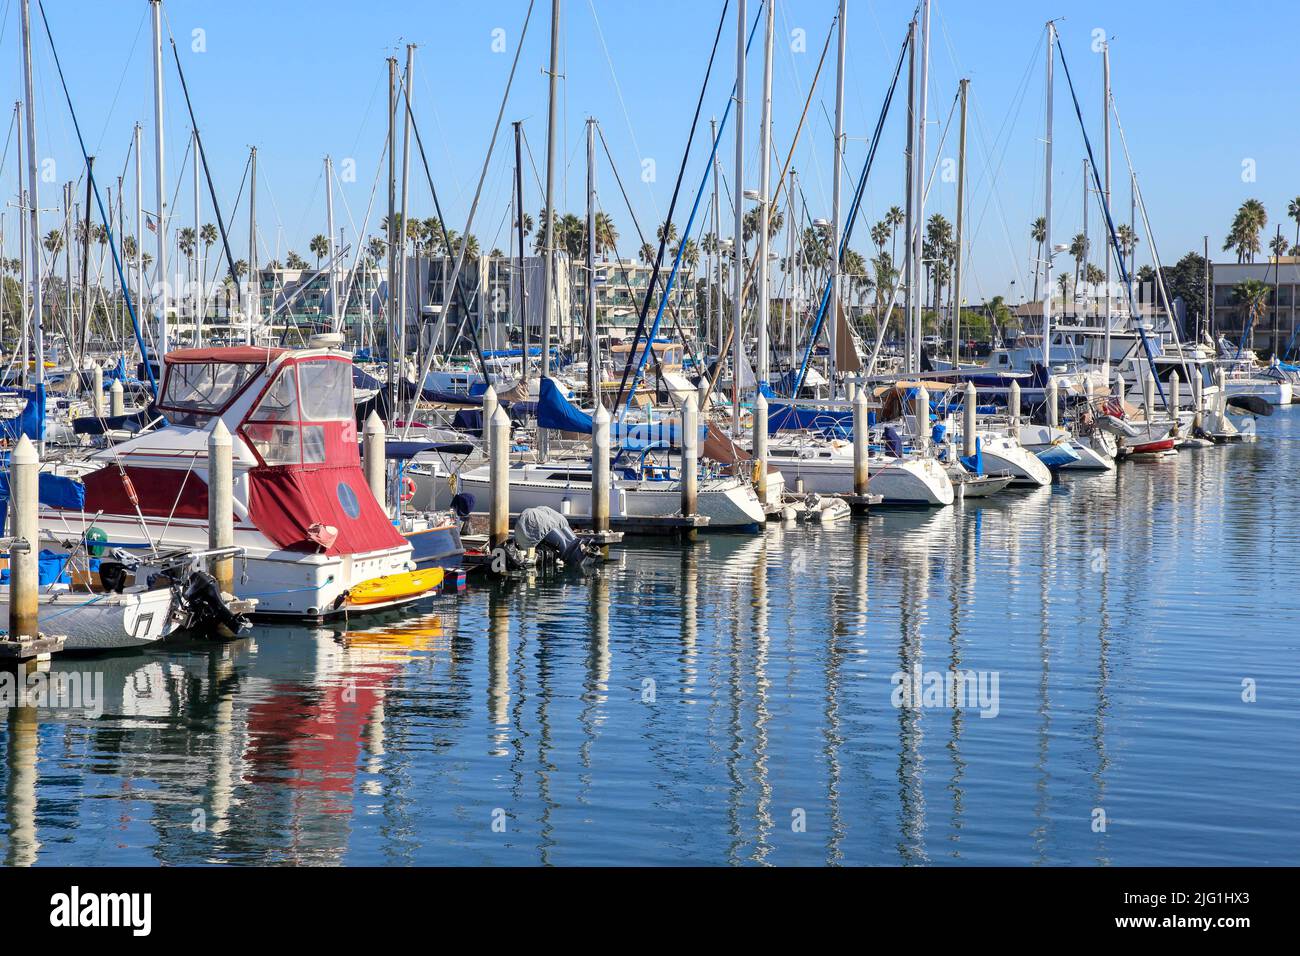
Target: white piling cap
374,424
116,386
761,401
489,392
601,416
24,453
500,418
220,434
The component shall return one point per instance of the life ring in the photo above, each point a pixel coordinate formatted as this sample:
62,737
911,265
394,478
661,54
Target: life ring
408,488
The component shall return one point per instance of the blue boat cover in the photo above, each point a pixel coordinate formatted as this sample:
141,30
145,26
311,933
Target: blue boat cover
792,418
54,491
30,421
555,411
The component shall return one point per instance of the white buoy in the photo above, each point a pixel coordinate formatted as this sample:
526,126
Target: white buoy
499,513
760,446
373,438
1053,398
24,475
690,454
221,507
860,449
600,469
968,421
116,402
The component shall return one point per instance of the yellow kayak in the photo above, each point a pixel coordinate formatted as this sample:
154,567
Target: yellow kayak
395,587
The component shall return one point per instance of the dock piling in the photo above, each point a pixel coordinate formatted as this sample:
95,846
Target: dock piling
1053,400
968,410
922,412
221,509
690,454
490,405
374,437
1172,402
1013,406
1149,395
24,473
860,472
600,469
97,392
116,400
499,450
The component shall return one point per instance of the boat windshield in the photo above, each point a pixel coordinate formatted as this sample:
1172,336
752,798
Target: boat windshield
204,388
291,423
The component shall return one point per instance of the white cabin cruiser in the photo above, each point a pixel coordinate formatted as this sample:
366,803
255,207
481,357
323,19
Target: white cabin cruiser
309,528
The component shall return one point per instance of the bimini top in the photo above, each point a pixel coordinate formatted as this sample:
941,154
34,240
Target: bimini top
234,354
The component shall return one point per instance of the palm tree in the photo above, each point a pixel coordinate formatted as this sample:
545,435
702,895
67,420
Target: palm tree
894,218
128,247
53,242
1293,210
606,234
294,261
647,253
666,228
1128,241
376,249
1252,295
1250,220
320,247
208,236
185,239
1079,253
1278,245
1038,233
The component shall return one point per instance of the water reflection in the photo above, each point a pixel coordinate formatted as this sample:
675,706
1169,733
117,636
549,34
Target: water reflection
732,702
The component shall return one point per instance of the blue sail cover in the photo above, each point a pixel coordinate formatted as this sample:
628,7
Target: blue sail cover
832,424
555,411
29,422
53,491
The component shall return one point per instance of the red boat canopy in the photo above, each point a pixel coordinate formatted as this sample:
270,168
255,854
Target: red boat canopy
237,354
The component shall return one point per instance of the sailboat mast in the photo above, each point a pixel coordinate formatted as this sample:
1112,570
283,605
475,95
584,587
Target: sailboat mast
1047,203
918,265
390,325
548,263
33,200
407,77
139,221
253,300
335,316
738,241
23,344
961,210
765,200
1105,139
196,298
718,305
909,215
522,304
593,351
837,224
160,183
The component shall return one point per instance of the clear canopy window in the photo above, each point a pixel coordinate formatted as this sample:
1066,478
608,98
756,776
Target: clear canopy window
205,388
326,388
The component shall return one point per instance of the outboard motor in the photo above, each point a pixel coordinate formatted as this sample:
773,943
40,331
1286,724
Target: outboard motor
547,528
207,611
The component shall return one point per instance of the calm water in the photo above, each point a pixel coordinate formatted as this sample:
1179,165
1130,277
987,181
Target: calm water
733,702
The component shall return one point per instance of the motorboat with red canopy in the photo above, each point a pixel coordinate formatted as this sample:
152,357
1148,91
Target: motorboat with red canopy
309,525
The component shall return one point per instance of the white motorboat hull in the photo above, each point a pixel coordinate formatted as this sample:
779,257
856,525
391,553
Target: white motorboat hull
1005,455
103,622
728,503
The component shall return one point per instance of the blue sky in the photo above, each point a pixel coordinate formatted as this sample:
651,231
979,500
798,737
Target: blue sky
1201,88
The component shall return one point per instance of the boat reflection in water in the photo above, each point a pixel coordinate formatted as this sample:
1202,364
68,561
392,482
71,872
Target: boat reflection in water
733,702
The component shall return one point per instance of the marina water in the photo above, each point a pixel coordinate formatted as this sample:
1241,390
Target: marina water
1129,695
